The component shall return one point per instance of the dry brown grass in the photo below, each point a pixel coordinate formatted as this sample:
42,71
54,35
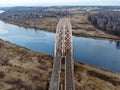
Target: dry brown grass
33,72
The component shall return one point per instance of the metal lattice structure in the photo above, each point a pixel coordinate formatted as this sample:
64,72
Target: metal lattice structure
63,48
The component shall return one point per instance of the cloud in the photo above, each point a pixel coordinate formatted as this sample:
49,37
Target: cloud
57,2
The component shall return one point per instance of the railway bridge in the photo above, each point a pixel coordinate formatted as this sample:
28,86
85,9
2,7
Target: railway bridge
63,50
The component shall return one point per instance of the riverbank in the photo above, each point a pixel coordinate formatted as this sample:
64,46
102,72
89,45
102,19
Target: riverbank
80,28
21,68
47,19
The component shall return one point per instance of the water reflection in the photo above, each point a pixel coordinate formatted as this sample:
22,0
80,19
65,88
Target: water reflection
101,53
118,45
3,31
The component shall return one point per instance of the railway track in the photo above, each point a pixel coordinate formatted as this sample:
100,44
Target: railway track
63,48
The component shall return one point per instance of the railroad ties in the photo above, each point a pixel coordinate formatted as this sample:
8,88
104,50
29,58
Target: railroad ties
63,48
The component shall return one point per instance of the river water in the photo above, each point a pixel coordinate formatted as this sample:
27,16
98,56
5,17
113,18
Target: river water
97,52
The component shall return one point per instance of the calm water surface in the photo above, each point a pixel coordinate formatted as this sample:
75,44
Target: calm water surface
101,53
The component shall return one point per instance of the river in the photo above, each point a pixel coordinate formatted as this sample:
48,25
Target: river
97,52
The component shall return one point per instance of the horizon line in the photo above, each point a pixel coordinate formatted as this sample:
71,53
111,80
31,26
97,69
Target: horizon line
56,5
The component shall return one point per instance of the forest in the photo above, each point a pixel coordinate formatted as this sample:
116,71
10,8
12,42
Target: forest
108,21
21,14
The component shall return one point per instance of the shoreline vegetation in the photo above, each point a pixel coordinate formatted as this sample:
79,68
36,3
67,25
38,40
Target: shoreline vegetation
21,68
24,69
46,18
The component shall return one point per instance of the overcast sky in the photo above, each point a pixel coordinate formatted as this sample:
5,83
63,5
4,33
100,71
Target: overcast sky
57,2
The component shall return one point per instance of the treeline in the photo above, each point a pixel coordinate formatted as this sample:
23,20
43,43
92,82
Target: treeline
23,13
108,21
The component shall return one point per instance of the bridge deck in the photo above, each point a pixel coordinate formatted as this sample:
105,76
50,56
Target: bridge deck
69,81
63,47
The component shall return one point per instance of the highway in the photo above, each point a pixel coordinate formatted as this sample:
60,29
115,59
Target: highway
63,48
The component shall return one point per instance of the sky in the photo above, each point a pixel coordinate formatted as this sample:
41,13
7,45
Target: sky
4,3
